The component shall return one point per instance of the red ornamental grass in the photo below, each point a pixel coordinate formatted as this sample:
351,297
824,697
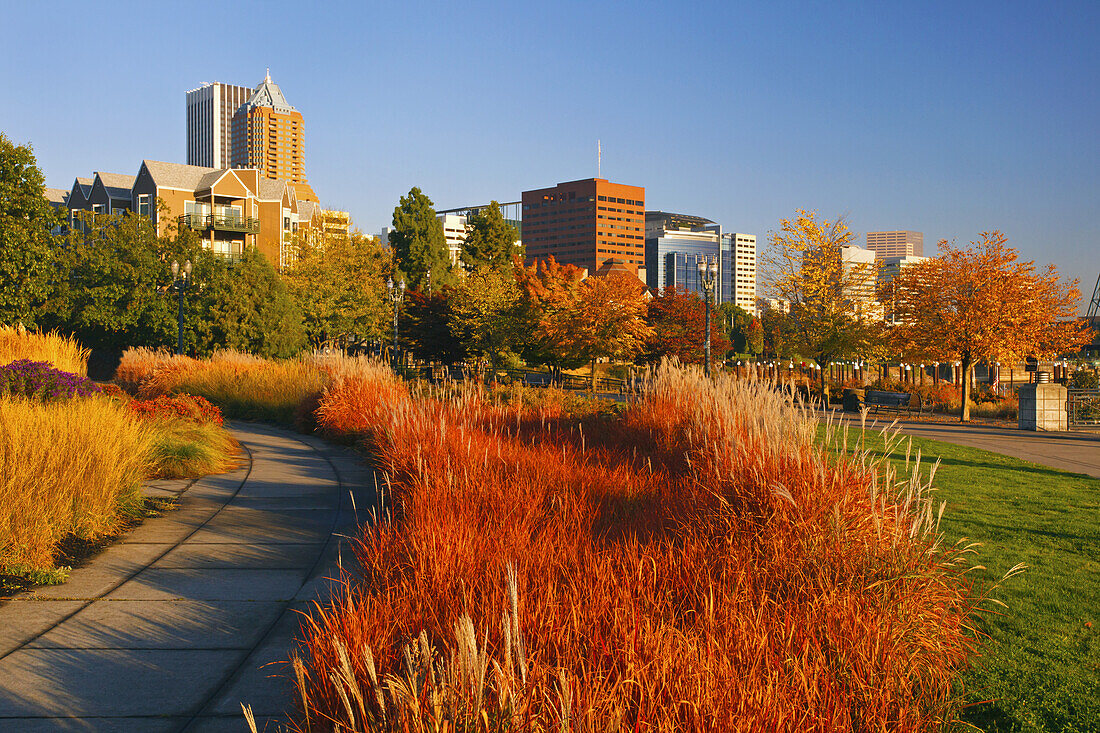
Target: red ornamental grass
697,564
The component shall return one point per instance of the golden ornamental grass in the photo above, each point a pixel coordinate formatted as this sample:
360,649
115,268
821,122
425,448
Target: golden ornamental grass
63,352
71,467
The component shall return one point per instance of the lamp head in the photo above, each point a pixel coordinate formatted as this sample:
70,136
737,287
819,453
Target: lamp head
402,285
175,269
389,284
187,268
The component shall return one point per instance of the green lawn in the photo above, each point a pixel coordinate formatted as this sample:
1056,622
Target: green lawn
1041,669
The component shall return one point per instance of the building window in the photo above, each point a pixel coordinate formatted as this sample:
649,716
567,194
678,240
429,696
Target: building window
143,204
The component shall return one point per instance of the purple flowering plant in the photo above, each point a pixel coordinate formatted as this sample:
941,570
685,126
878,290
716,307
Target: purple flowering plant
39,380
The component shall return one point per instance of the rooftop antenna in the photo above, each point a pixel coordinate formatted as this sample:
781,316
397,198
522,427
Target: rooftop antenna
599,159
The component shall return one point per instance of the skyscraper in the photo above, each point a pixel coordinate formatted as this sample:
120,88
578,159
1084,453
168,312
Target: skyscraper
210,110
586,222
269,135
896,244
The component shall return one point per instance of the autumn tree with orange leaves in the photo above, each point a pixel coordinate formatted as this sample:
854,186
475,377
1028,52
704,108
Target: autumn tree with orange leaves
548,290
603,318
981,304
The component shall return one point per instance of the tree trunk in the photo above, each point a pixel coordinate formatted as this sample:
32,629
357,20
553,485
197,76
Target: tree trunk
592,386
966,368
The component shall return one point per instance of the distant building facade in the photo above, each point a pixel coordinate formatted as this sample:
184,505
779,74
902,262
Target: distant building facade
210,110
585,223
896,244
675,242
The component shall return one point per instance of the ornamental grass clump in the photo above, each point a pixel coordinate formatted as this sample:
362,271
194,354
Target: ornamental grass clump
699,562
37,380
67,468
63,352
190,438
243,386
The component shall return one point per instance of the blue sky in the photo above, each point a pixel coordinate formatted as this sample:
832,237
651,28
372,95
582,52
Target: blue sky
947,118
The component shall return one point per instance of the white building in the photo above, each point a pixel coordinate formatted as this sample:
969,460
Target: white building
210,110
454,230
739,278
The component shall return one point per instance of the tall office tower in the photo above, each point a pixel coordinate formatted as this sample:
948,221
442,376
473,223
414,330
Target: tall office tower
585,223
269,135
210,110
896,244
738,270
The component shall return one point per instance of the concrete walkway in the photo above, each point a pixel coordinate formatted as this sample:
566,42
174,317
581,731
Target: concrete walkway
1076,452
193,612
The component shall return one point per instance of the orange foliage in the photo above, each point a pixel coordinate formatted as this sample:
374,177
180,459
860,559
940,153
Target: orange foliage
697,564
981,303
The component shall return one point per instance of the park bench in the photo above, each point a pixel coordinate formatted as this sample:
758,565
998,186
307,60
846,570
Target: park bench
896,401
538,379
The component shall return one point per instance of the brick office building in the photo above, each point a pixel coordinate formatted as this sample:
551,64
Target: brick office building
586,223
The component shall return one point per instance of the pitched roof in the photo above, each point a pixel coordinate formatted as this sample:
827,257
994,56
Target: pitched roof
307,210
56,196
268,94
176,175
271,189
118,185
85,185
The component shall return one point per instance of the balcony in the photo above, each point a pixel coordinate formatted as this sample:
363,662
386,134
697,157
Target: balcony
220,222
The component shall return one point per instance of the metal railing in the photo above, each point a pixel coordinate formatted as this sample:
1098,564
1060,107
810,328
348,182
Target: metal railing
220,222
1083,408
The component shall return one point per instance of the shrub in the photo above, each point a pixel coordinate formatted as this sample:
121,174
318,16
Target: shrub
1083,379
38,380
140,364
66,468
61,351
186,448
180,406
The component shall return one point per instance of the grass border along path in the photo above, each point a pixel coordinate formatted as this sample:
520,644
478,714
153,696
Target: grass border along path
1040,669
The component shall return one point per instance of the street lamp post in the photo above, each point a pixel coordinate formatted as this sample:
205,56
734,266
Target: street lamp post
180,283
708,277
397,294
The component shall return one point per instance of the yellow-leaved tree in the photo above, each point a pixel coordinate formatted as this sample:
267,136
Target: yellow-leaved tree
981,303
829,286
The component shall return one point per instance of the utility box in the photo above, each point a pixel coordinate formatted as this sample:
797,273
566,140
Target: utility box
1043,407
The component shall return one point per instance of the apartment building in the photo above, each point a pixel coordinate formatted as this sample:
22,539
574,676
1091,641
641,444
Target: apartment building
738,270
229,209
585,223
268,134
896,244
210,110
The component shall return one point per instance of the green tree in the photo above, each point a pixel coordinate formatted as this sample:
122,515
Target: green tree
418,243
490,240
741,328
484,313
108,283
339,284
426,326
26,245
245,305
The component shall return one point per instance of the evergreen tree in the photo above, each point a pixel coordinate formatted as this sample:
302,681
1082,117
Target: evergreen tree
26,245
418,243
490,240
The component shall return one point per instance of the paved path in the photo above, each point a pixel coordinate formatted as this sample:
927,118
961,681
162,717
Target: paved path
1076,452
171,628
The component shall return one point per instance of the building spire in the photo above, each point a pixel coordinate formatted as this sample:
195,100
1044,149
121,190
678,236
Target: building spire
267,76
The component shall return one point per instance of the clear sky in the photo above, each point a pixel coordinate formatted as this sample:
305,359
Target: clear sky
948,118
